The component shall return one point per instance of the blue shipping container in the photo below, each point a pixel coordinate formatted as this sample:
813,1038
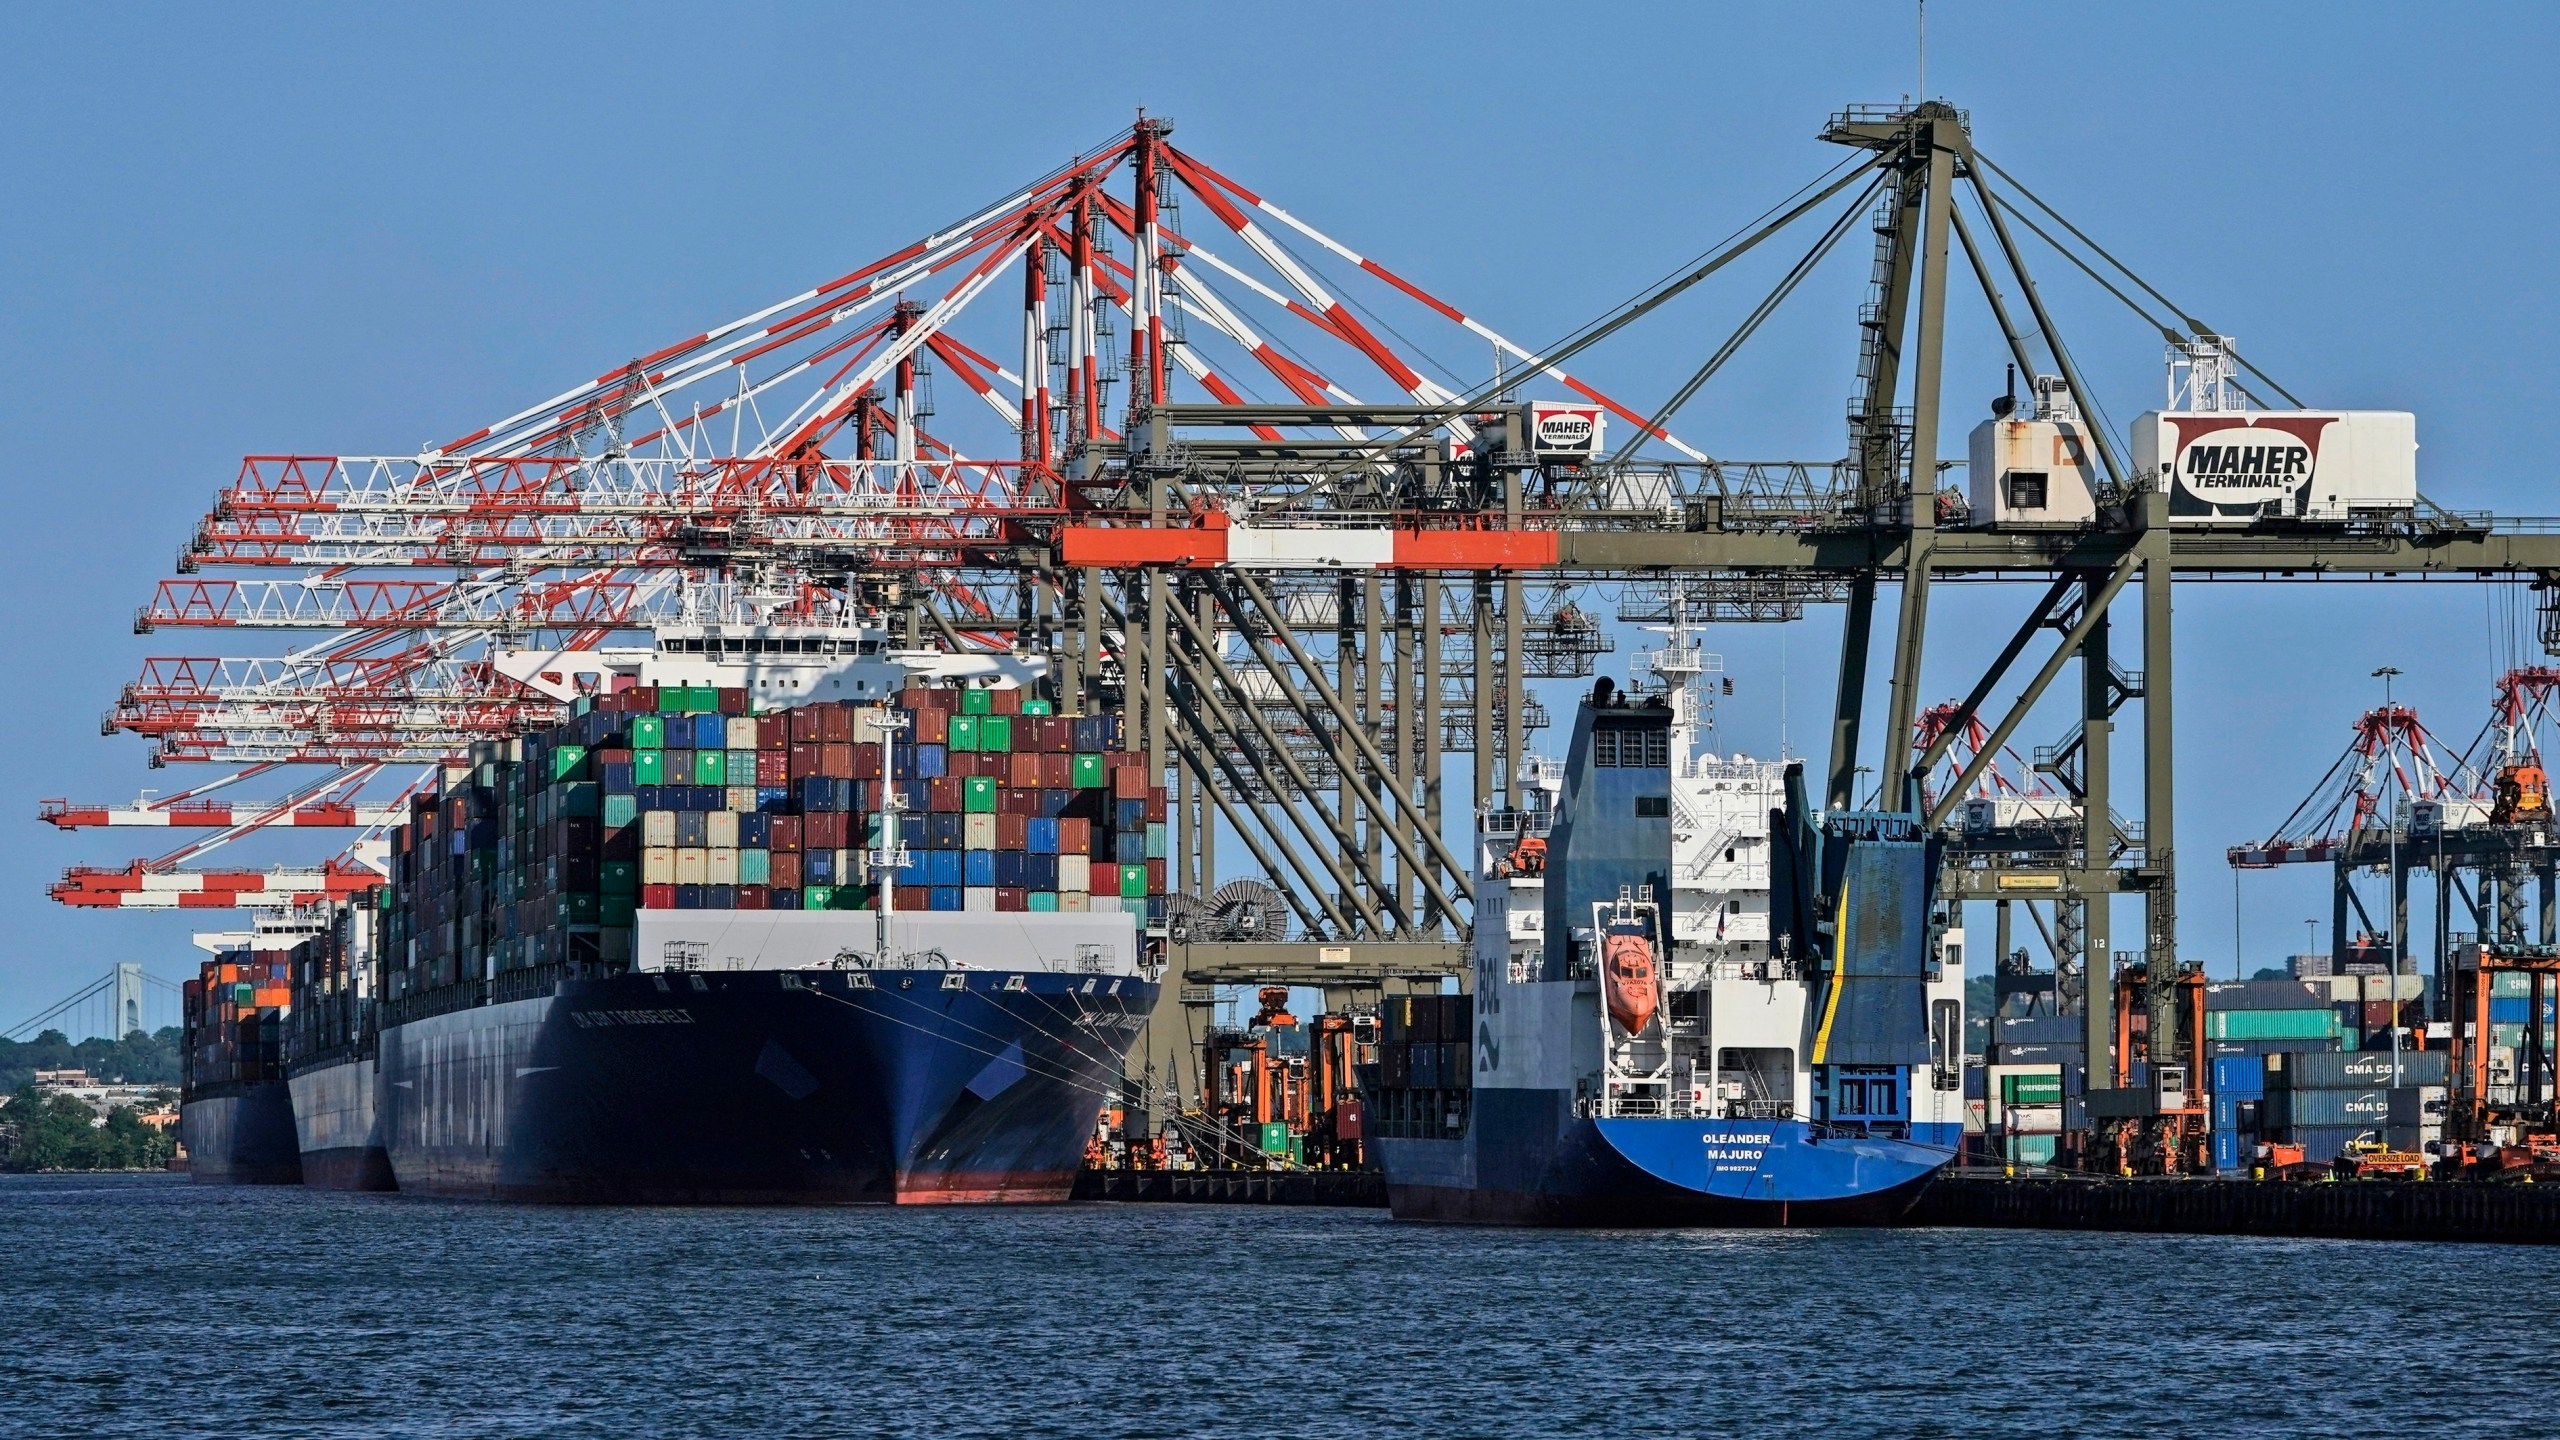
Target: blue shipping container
1041,837
2239,1075
945,897
932,762
942,870
2226,1151
977,867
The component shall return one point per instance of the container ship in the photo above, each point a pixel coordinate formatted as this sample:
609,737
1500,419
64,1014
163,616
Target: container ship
1694,1003
889,946
235,1114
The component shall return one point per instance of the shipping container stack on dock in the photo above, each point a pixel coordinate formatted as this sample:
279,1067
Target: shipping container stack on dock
543,850
2255,1028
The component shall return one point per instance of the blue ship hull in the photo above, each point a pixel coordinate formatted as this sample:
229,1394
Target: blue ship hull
1525,1159
920,1087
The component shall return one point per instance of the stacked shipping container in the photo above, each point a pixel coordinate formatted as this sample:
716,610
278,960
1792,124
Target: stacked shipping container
1421,1084
235,1013
541,851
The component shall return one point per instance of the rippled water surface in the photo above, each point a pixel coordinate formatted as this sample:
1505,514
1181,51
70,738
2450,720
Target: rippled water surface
146,1306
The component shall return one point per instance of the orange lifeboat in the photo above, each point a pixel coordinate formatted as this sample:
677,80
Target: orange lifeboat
1634,991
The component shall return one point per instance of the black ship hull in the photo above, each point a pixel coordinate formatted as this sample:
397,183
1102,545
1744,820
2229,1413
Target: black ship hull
240,1133
754,1087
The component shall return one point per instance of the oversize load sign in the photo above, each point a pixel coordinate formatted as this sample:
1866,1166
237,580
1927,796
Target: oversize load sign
2242,464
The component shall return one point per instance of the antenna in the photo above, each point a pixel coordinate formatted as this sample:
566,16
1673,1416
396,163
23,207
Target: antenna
1923,92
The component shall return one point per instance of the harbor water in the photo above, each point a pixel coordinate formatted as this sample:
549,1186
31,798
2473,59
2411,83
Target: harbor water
144,1306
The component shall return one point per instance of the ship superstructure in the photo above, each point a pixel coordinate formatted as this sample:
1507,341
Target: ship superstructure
1677,1018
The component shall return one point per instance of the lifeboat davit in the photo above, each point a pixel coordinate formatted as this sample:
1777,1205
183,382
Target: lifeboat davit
1634,990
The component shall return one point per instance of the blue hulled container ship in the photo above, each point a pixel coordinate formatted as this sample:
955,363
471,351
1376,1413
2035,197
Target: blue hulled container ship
1695,1002
780,914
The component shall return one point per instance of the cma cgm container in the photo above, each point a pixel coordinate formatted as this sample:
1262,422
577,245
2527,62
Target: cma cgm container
639,957
2235,467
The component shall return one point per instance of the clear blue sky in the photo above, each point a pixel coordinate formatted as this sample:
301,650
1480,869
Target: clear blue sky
358,230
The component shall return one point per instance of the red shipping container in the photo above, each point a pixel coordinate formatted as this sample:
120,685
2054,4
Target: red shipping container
804,758
773,767
1013,832
732,700
1155,877
914,897
805,725
823,830
1012,897
933,727
1075,836
1021,803
641,699
947,795
835,761
786,869
866,762
613,755
1057,770
1022,771
754,897
835,724
1004,702
658,897
784,833
1129,782
1048,732
1104,879
928,697
773,732
1156,804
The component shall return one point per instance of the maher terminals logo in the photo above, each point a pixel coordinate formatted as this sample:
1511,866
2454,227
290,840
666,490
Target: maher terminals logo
2257,459
1567,429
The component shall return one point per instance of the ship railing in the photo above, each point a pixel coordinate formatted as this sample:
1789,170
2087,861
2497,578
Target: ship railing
1769,969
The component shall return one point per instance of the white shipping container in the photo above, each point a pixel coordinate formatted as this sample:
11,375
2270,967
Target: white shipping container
740,733
1074,902
2230,467
658,862
720,827
693,863
978,832
978,899
658,827
2031,472
720,866
1075,873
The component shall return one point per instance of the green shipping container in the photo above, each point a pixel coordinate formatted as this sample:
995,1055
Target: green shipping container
978,795
1275,1138
621,877
851,897
1133,882
995,733
1085,772
964,732
1044,901
711,767
1037,707
976,702
817,897
568,762
2321,1024
671,699
620,810
618,909
2030,1089
648,767
648,732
